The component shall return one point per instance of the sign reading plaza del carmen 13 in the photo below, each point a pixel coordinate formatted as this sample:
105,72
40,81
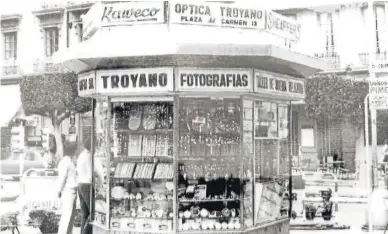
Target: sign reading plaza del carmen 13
217,15
125,81
270,83
191,79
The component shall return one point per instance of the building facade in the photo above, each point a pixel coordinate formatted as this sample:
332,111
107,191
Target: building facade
339,34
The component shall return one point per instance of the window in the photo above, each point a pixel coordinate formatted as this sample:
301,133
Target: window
51,40
307,137
327,26
266,120
80,35
10,45
380,29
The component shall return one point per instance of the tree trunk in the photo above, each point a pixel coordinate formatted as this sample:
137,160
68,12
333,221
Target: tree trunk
58,140
361,169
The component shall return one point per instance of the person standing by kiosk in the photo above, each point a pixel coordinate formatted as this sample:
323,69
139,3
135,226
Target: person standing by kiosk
85,187
67,188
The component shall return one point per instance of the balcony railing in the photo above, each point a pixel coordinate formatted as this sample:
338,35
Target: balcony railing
48,66
10,67
332,59
364,58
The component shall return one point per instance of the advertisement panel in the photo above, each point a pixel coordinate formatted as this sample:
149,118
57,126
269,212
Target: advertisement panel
128,81
282,26
86,84
271,84
123,13
216,15
217,80
378,91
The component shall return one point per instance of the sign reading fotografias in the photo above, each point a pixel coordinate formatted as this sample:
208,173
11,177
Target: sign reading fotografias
213,80
216,14
271,83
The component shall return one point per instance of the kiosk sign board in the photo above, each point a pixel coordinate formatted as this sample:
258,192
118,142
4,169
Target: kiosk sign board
86,84
380,67
378,91
126,81
123,13
271,84
191,79
282,26
217,15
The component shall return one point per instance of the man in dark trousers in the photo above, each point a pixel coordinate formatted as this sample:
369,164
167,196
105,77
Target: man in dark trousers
85,188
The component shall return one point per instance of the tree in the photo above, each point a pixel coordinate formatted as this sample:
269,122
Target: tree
330,96
54,96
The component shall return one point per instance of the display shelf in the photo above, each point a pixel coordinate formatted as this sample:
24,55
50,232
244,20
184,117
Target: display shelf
145,132
207,200
144,218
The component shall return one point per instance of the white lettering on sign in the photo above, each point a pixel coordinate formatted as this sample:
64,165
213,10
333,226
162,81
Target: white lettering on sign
86,84
213,80
268,83
217,14
283,26
135,80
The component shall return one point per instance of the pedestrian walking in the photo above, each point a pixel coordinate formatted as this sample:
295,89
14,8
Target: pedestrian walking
385,156
67,188
85,188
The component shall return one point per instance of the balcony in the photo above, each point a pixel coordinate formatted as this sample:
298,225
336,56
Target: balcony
10,68
47,66
332,59
364,58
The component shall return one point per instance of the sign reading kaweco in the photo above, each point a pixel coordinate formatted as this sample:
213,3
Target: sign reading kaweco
123,13
213,80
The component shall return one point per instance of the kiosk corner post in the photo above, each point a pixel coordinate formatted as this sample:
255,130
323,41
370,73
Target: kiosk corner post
290,161
93,150
368,160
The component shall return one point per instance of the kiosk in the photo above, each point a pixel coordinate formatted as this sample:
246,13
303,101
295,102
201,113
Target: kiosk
191,115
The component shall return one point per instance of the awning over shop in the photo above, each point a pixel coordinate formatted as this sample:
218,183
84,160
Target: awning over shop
10,103
170,48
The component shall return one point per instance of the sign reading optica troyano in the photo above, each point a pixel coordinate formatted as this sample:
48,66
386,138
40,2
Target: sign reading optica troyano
269,83
213,80
216,14
129,81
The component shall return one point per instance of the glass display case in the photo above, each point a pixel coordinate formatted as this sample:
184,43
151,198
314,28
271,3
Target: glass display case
191,164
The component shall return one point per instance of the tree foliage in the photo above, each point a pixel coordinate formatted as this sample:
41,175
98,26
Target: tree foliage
331,97
53,95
